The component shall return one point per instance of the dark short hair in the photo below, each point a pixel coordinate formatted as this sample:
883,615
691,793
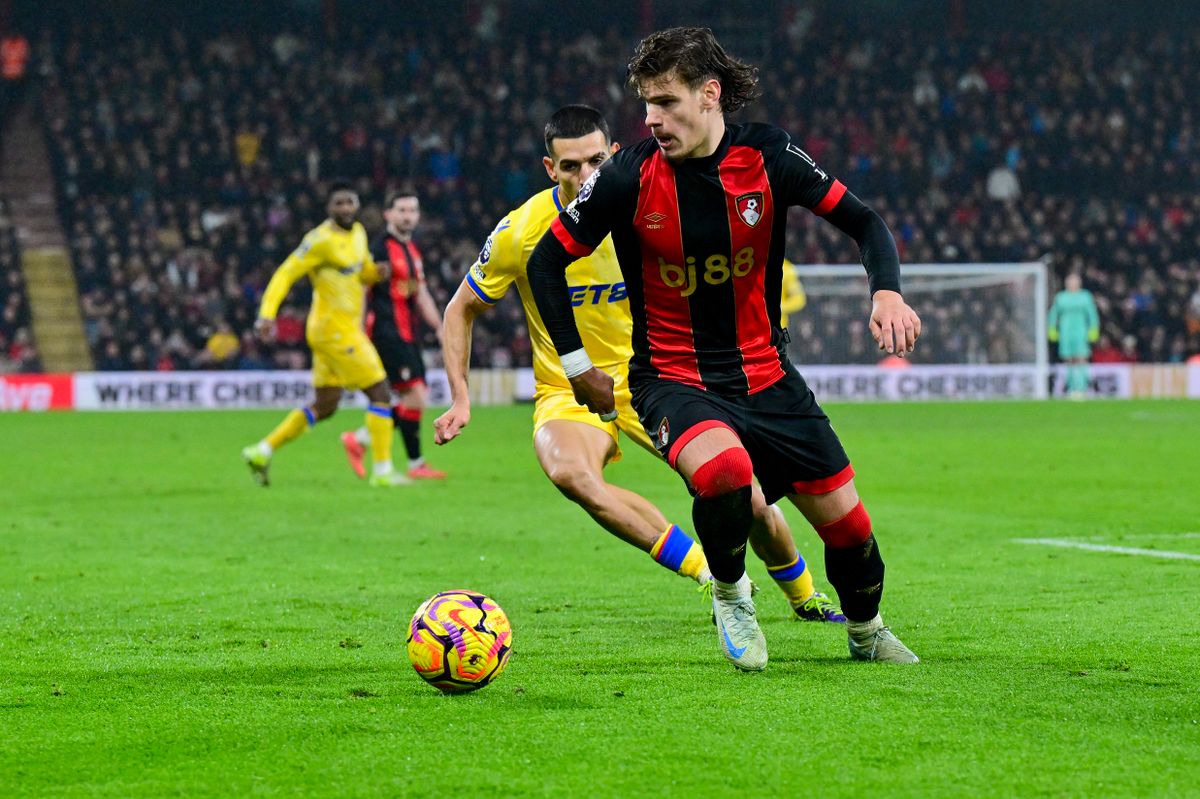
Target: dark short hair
400,194
339,185
694,55
574,121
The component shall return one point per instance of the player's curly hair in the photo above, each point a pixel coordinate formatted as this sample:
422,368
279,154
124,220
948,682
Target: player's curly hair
694,55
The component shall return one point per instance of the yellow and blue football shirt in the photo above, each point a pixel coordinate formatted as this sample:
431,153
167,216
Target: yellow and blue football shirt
338,263
596,285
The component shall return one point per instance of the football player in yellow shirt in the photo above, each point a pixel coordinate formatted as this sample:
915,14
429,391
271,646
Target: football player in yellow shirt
792,297
572,444
335,258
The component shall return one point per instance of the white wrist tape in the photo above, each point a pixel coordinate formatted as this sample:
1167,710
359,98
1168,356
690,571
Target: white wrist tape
576,363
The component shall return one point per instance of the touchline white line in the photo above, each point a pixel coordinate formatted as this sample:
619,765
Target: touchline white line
1069,544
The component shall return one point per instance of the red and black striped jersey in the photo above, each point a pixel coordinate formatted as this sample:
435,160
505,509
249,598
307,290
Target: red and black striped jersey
701,246
391,310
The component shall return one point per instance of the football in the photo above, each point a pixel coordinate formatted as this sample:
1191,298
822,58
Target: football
459,641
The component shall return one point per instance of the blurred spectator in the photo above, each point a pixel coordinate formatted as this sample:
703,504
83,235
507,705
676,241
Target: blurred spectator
1129,349
1002,184
17,350
250,355
111,359
14,66
221,349
22,355
1192,317
1105,352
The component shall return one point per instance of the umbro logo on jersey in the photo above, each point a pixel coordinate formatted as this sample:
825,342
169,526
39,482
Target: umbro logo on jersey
653,218
750,207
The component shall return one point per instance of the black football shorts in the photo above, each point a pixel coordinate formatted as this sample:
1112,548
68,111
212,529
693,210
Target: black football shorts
789,438
401,360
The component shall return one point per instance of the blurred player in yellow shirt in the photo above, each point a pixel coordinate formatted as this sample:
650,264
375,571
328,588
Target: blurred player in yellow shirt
336,259
792,298
572,444
222,346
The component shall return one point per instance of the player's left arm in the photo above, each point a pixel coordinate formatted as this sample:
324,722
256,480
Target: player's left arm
428,310
303,259
576,232
376,267
797,180
426,307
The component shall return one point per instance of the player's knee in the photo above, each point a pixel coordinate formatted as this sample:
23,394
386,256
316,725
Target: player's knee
731,470
849,531
575,481
378,393
415,397
323,410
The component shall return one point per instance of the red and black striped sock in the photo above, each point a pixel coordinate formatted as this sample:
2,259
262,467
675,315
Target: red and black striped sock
408,422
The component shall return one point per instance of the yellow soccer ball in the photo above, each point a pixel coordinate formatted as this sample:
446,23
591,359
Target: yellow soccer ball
459,641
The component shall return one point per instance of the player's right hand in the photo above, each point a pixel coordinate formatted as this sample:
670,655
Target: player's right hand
264,329
594,389
894,325
447,426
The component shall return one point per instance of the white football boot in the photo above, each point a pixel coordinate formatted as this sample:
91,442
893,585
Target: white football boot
872,641
741,640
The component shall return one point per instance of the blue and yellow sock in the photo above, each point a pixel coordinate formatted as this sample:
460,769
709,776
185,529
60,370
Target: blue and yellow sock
379,428
677,551
292,427
794,580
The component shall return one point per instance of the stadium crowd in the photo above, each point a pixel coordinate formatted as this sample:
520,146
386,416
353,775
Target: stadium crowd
17,350
189,166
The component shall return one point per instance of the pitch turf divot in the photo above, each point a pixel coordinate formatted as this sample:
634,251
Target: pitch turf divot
1067,543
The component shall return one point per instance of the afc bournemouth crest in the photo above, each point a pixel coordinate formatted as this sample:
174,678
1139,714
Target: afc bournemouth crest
750,207
663,434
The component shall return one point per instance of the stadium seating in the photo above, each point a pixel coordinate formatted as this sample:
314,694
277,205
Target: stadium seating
188,165
17,350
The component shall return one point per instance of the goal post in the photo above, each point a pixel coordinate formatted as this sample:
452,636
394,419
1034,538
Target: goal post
983,333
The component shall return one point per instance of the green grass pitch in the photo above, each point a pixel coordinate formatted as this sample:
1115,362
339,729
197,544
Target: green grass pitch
168,628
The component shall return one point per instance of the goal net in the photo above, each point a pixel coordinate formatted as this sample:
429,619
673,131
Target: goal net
983,333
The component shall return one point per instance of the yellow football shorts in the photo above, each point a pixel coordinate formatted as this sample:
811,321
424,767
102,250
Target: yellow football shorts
343,357
555,402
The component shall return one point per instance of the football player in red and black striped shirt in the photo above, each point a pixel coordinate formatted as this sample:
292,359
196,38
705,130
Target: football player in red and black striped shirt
697,215
393,308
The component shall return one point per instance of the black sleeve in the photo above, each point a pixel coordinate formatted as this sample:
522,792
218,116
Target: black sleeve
547,272
876,247
576,231
379,254
797,180
379,251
